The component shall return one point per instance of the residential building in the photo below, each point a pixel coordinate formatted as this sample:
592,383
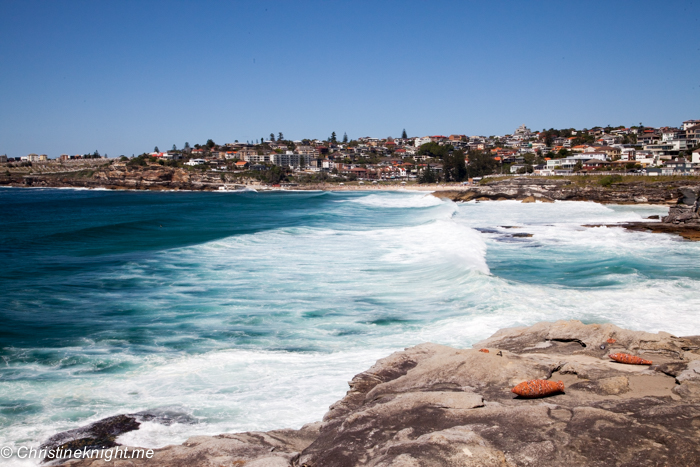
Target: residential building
522,131
696,157
308,151
668,148
627,154
690,123
288,159
610,139
646,158
418,142
592,164
245,153
537,146
692,135
259,158
670,134
611,152
647,138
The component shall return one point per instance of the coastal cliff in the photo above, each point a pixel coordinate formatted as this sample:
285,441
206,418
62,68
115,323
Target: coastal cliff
118,176
641,191
432,405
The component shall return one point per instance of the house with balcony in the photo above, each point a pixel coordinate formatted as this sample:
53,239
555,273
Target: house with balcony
667,148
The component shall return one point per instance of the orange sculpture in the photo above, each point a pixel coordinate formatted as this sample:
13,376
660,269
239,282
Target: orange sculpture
538,388
629,359
484,350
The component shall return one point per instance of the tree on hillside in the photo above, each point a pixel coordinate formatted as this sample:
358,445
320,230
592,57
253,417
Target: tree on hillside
427,175
454,167
434,150
480,163
210,143
174,147
280,136
156,149
333,138
403,134
345,137
187,145
272,136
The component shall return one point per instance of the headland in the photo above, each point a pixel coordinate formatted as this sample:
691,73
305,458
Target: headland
436,405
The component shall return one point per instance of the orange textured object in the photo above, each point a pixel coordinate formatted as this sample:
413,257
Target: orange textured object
611,341
629,359
538,388
484,350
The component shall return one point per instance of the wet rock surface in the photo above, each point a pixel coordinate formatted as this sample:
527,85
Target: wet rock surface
432,405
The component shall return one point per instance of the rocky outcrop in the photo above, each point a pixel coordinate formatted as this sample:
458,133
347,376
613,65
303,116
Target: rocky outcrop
682,197
687,212
432,405
573,189
121,176
683,219
278,448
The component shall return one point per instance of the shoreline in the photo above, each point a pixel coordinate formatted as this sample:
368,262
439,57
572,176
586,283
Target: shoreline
435,404
689,232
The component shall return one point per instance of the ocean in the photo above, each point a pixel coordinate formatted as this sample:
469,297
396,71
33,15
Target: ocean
251,311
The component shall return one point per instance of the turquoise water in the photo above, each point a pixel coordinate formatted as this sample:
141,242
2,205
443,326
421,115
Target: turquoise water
251,311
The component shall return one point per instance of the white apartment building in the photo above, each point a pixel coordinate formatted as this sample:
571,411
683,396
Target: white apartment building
418,142
288,159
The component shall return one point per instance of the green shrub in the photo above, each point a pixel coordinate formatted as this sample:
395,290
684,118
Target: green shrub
608,180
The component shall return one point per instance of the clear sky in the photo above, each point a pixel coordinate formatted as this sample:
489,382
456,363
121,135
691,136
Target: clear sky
124,76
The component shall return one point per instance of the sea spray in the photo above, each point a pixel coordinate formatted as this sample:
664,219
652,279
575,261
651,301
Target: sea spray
251,311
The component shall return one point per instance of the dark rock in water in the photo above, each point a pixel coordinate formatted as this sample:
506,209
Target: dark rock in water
688,231
655,216
164,416
99,435
486,230
522,235
103,433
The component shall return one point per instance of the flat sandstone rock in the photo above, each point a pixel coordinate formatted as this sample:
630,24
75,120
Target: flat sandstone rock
432,405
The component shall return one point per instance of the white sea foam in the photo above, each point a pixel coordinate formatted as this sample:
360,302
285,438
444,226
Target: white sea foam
282,319
403,200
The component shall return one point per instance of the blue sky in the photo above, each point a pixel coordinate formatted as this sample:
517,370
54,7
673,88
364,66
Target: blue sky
124,76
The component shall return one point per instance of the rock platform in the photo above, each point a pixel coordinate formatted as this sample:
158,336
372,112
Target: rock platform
437,406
